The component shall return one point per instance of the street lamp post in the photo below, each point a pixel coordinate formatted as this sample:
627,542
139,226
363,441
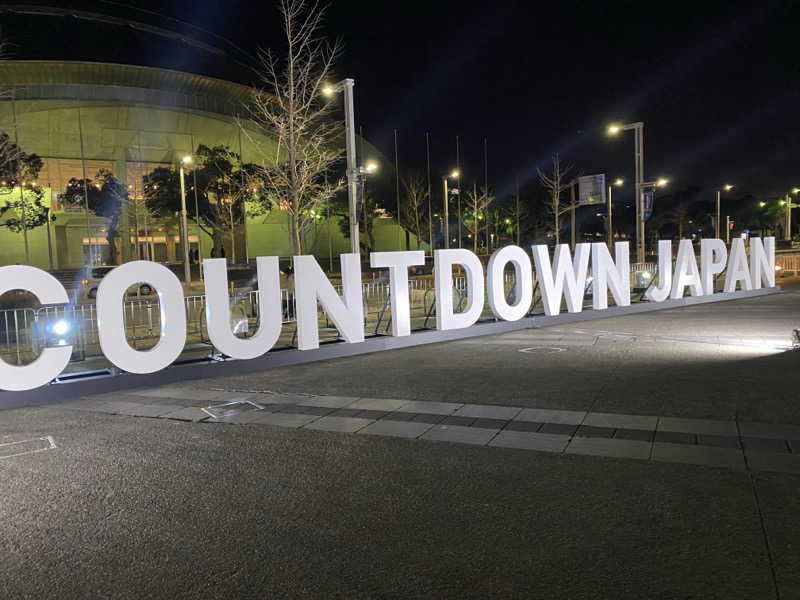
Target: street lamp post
609,229
727,187
187,274
446,203
638,156
346,86
787,236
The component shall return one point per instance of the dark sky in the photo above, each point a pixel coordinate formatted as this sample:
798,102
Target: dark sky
716,83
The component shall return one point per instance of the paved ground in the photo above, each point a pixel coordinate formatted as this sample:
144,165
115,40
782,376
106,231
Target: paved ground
276,503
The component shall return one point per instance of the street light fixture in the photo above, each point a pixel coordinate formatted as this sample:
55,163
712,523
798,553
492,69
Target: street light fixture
445,200
638,156
346,86
187,274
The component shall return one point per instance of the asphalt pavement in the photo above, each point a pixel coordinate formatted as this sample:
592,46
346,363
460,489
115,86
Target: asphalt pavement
128,506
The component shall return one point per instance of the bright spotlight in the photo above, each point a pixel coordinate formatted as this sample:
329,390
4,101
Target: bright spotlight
662,182
619,181
613,129
327,90
454,174
60,327
187,159
371,166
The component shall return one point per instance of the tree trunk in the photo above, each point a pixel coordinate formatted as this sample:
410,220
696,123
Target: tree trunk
294,234
556,230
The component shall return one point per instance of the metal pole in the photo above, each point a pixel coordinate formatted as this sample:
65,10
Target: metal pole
486,187
397,193
518,211
85,187
572,216
430,206
446,225
608,220
187,274
352,170
243,199
787,235
49,241
639,149
197,222
458,187
716,225
727,230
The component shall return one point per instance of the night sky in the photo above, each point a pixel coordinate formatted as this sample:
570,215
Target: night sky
716,83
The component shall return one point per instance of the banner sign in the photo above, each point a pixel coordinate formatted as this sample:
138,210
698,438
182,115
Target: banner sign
562,277
591,189
648,200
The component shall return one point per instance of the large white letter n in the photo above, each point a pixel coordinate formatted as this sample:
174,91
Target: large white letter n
347,312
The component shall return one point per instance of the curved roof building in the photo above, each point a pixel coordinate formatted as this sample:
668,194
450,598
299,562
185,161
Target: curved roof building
84,118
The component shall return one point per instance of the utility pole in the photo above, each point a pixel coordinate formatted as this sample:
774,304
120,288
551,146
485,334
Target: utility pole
346,86
517,211
352,170
458,187
397,193
608,219
446,207
187,273
430,205
572,215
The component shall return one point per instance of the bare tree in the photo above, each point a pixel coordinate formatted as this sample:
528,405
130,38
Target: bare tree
416,216
291,110
555,183
477,203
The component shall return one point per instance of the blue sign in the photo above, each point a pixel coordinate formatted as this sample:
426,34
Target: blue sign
647,203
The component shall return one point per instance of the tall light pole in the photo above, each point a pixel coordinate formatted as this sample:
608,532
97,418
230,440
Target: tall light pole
187,273
727,187
787,236
638,156
609,230
446,203
346,86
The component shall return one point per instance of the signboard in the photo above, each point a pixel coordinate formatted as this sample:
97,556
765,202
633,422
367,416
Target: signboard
591,189
648,200
560,278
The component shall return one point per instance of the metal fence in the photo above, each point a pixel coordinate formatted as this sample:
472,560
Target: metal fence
25,331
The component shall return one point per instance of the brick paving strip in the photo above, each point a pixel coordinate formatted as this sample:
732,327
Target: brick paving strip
714,443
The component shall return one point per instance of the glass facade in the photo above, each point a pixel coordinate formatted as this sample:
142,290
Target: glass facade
88,119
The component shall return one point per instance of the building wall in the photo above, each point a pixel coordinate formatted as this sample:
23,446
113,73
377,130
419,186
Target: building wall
76,138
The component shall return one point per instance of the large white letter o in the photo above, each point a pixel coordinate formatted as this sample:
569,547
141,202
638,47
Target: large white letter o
111,318
523,288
